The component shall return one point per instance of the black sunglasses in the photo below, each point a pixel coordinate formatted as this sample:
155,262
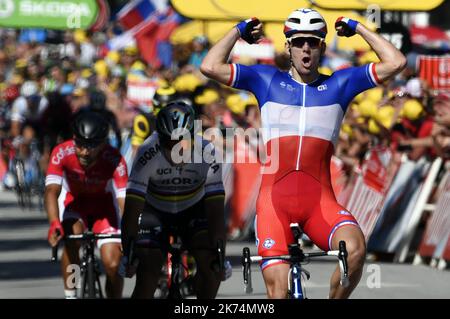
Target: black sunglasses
300,42
88,145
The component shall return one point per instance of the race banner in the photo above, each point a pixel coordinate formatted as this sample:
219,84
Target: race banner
371,186
438,225
435,70
49,14
399,205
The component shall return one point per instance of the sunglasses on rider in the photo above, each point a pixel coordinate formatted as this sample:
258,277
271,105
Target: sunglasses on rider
88,145
299,42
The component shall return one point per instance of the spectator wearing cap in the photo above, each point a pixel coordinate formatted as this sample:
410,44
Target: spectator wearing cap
129,56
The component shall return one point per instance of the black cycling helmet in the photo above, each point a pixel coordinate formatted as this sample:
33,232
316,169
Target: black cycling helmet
90,129
175,115
163,96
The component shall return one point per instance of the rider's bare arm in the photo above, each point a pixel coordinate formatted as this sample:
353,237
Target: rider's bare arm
392,61
215,64
51,195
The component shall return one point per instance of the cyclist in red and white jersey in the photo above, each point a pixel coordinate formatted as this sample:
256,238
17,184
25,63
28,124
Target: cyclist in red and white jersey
86,182
301,112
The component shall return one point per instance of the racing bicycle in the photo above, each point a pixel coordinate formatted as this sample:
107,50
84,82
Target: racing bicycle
296,258
90,268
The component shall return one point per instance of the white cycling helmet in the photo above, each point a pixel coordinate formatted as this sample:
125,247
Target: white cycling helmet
305,20
29,88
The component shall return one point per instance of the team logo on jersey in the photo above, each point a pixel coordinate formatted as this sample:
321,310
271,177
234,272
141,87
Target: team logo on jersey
343,212
268,243
322,87
283,84
149,154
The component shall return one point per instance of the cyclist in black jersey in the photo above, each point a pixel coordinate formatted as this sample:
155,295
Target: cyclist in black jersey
163,193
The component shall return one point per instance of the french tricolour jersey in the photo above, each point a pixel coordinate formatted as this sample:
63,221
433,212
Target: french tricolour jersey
174,188
301,122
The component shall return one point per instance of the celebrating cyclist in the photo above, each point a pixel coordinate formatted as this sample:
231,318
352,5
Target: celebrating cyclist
166,191
301,113
86,182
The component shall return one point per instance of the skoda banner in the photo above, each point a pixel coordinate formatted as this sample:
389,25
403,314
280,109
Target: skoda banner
50,14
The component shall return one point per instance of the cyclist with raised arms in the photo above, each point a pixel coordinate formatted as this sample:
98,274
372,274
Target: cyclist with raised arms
301,113
86,181
164,191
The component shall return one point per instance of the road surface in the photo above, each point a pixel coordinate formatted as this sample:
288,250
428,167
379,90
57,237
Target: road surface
26,270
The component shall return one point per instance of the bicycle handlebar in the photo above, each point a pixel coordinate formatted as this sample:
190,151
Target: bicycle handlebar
341,254
85,237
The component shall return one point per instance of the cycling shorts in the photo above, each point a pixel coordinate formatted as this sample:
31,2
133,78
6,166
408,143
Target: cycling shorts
156,227
296,198
103,222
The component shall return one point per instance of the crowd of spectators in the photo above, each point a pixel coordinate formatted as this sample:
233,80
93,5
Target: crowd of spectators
404,113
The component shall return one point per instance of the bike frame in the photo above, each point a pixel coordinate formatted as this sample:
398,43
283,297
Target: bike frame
295,257
89,265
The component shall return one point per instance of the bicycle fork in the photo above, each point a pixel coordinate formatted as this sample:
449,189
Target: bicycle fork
295,288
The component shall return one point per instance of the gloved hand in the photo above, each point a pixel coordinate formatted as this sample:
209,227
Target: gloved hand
345,27
55,232
247,30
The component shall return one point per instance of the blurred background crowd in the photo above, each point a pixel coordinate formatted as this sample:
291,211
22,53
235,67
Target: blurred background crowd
48,75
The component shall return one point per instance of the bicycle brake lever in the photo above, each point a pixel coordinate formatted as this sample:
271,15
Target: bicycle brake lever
343,264
221,253
308,275
247,270
55,249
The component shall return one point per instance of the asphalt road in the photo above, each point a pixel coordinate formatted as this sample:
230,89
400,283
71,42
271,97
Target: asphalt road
26,270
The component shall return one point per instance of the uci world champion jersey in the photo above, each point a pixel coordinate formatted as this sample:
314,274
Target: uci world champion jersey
174,188
301,122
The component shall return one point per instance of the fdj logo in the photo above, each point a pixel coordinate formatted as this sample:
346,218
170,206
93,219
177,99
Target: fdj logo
6,8
268,243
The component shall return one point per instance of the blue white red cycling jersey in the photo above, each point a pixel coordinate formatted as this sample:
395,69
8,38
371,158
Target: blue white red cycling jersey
301,124
304,118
